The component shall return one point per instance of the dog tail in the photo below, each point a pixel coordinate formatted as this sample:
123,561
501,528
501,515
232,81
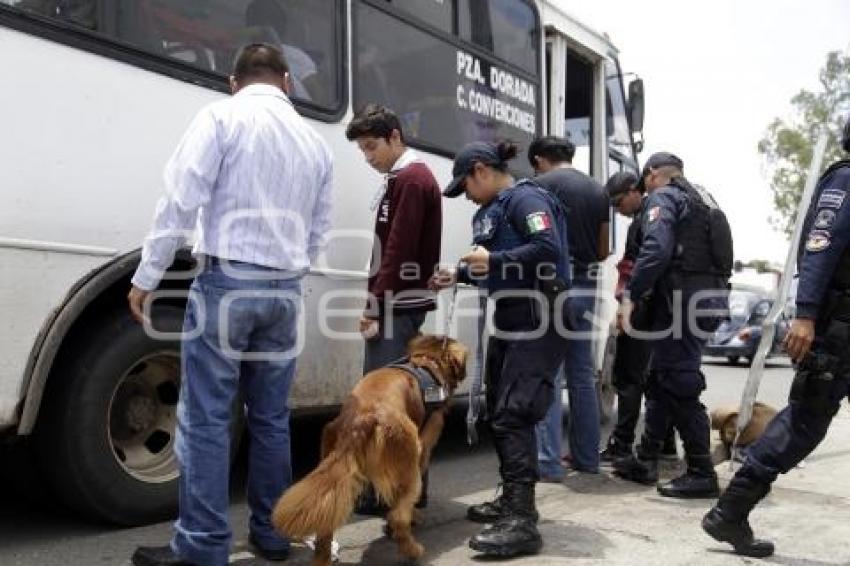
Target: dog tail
323,500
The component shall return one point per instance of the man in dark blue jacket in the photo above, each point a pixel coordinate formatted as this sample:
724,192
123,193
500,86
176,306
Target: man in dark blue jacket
631,362
671,223
818,342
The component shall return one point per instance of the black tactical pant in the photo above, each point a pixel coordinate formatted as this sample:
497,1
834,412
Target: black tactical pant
630,368
520,375
673,391
821,382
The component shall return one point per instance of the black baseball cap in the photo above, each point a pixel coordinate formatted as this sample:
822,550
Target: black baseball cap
656,160
620,183
467,157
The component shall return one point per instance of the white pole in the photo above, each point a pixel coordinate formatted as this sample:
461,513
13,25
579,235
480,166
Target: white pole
751,388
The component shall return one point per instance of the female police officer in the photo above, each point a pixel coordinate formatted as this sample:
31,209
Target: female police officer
521,258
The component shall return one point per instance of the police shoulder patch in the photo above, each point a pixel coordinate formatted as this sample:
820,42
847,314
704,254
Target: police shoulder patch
654,213
831,198
818,241
824,219
538,222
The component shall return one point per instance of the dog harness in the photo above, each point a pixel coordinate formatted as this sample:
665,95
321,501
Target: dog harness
433,394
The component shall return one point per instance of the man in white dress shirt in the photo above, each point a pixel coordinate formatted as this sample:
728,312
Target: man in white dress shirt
252,180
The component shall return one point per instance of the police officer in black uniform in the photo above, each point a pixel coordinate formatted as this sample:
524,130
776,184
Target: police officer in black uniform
818,341
674,262
520,257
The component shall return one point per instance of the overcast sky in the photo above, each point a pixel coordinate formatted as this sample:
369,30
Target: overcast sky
716,73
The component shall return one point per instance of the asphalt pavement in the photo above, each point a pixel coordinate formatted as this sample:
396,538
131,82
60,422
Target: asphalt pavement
588,519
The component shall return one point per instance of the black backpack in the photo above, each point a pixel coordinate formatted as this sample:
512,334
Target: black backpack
720,233
704,237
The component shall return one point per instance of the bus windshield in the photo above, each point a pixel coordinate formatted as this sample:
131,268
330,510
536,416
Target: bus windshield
619,134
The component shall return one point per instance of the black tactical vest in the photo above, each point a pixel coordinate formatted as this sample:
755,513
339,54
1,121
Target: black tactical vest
703,243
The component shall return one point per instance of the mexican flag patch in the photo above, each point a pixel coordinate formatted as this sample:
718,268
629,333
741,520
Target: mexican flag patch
537,222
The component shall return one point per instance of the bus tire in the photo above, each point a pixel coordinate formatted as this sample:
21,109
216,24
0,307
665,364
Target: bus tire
106,436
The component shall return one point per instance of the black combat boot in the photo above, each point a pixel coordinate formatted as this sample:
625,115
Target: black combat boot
699,481
490,511
515,532
728,520
614,450
641,467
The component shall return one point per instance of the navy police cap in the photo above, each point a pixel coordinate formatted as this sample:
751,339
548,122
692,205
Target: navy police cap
656,160
470,154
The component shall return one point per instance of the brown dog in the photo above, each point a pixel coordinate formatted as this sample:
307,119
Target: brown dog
381,436
725,420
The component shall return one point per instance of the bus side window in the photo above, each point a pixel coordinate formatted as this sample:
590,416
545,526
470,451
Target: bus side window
438,13
508,28
78,12
208,34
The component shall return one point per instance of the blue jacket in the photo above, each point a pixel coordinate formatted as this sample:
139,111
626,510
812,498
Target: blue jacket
664,208
826,233
522,228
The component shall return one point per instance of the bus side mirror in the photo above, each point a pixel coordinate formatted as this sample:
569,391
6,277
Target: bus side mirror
636,105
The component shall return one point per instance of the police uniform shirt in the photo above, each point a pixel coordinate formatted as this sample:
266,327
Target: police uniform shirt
664,207
526,207
826,233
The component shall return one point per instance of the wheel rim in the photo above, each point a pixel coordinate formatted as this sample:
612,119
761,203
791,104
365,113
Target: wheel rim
143,418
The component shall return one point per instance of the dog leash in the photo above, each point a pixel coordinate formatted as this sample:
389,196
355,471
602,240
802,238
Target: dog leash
474,408
451,313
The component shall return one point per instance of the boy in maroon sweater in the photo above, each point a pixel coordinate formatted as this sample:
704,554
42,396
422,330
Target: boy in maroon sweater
407,237
408,226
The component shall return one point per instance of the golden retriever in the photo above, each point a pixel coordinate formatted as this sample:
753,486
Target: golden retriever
381,436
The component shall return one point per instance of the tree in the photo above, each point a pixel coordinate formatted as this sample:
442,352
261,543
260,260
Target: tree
788,146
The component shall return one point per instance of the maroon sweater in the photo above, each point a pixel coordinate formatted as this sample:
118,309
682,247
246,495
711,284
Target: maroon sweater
408,227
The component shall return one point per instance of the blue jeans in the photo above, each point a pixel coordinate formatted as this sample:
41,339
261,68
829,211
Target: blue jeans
221,360
583,427
387,347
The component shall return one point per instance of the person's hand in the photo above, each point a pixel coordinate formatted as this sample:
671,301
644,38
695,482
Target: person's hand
478,260
624,314
443,279
136,298
799,338
368,327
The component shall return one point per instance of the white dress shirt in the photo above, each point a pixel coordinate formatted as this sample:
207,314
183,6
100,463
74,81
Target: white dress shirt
252,180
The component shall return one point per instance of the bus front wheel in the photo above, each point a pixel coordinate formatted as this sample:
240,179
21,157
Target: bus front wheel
106,436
